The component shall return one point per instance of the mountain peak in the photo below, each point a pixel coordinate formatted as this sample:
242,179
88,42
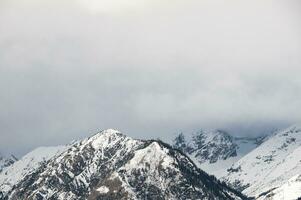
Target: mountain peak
110,131
107,132
104,138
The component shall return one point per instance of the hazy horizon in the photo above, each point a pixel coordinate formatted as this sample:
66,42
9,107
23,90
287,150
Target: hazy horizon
147,68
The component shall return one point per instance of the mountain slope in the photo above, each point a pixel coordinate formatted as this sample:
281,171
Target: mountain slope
291,190
110,165
270,165
215,150
11,175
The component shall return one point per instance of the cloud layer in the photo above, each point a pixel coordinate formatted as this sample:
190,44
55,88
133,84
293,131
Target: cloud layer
148,68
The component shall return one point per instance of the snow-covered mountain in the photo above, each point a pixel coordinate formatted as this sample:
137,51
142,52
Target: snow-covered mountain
215,151
6,161
268,169
110,165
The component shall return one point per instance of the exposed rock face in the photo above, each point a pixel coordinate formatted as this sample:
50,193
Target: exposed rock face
215,150
207,146
111,166
6,161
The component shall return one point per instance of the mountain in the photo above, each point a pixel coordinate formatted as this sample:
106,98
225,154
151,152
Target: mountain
269,168
215,150
5,162
11,175
110,165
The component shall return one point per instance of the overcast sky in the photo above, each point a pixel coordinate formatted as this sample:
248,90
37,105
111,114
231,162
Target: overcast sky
149,68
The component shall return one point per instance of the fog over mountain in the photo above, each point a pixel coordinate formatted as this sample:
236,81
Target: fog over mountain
149,68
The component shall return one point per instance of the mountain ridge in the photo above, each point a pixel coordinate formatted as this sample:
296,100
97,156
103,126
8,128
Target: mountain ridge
110,165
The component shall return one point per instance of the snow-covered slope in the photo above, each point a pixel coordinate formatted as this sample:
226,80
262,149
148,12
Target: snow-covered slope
6,161
29,163
215,150
110,165
291,190
270,165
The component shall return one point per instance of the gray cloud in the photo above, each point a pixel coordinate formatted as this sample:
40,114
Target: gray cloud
69,68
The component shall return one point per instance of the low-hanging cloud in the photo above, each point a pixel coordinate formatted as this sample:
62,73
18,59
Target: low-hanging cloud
148,68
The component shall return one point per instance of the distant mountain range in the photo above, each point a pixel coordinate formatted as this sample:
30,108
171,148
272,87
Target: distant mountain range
110,165
215,150
266,167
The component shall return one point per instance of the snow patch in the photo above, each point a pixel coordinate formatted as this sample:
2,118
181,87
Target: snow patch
154,154
103,189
